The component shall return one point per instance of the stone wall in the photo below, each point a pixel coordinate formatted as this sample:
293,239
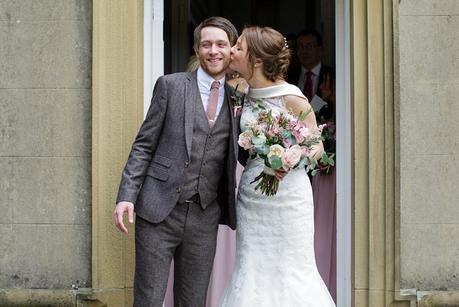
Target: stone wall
429,144
45,143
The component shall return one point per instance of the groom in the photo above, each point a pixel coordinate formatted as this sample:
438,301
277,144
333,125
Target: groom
180,174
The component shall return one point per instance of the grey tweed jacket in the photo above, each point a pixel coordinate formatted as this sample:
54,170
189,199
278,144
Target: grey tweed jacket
154,172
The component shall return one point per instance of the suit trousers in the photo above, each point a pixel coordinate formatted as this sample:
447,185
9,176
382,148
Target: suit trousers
188,235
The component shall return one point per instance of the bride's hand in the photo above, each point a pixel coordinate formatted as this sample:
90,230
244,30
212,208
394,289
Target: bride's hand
280,174
317,151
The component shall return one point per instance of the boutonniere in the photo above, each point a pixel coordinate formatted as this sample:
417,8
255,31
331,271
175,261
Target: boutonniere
236,99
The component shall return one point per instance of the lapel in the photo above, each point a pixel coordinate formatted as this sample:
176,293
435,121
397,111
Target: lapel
191,95
234,130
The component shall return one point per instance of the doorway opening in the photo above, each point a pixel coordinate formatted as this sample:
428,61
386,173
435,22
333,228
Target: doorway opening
168,46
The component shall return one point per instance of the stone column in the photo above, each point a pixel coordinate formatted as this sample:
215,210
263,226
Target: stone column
117,114
374,90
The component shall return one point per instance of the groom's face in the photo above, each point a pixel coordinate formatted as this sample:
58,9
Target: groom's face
214,51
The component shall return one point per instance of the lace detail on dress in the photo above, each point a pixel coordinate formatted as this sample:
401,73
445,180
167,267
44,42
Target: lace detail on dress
275,261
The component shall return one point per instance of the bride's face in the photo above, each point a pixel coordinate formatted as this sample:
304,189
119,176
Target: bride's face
239,58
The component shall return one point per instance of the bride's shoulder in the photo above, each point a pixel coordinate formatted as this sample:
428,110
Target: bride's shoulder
295,100
293,95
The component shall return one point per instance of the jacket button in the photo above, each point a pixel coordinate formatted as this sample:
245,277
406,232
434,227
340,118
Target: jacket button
186,164
178,190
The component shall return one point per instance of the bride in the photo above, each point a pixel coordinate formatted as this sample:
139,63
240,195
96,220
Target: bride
275,263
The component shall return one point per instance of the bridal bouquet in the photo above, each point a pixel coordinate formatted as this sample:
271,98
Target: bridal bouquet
283,141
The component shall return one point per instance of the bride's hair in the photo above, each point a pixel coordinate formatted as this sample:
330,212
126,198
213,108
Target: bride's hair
269,46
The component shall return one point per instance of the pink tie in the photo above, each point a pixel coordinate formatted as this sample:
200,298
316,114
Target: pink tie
212,104
308,85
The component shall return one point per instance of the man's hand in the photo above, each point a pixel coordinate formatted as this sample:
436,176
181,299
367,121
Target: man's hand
122,207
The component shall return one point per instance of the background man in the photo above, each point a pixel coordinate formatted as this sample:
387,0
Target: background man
314,79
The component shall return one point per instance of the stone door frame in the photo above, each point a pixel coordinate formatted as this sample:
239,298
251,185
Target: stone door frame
374,99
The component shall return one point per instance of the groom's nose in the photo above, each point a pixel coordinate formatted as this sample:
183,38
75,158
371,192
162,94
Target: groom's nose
213,48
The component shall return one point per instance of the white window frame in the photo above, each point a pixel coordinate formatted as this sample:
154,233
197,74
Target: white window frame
343,157
153,55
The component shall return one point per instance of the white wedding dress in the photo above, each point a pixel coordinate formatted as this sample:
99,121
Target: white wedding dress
275,264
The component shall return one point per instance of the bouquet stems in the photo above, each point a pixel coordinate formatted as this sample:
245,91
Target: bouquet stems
267,184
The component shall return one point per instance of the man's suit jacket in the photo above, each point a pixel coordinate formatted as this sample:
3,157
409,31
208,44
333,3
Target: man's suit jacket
154,173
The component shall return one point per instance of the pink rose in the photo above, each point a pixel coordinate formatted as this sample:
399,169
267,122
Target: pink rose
298,137
245,139
305,132
291,157
275,130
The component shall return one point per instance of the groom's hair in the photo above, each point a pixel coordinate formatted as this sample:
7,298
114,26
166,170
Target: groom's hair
217,22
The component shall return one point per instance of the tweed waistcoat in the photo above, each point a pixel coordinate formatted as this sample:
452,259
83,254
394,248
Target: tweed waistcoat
208,156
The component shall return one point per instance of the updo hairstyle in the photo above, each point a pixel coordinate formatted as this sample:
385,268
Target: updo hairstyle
269,46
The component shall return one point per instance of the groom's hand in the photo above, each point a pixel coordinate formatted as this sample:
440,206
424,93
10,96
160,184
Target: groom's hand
122,207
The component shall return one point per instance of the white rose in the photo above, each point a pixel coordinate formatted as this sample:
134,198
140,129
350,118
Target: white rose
276,150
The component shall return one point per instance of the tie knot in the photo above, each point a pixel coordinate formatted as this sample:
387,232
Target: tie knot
215,85
309,74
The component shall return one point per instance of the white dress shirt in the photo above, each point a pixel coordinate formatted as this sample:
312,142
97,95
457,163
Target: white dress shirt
204,83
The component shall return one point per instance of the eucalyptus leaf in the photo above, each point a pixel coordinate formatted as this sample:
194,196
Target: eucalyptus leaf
275,162
258,141
262,149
